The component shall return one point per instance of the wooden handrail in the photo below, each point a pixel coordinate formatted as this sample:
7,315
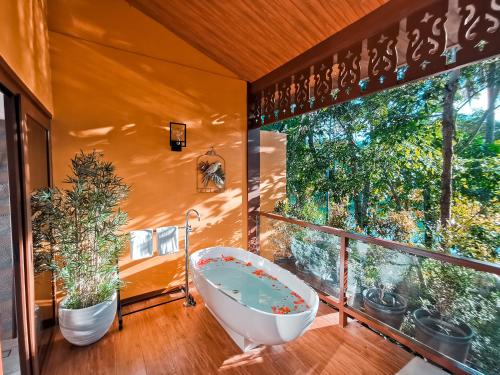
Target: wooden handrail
474,264
345,310
432,354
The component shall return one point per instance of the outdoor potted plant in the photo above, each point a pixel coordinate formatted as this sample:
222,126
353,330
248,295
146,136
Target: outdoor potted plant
379,273
384,305
282,235
317,253
448,295
79,228
281,242
450,338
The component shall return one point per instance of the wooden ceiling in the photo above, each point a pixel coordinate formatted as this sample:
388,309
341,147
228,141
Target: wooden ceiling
253,37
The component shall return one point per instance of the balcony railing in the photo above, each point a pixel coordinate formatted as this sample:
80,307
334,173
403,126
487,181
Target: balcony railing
441,306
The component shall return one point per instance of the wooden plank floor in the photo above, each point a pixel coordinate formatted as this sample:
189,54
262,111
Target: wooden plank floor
171,339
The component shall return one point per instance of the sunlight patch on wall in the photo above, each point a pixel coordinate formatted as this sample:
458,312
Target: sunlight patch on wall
126,127
88,133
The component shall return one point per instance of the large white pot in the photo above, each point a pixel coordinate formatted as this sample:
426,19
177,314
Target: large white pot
86,326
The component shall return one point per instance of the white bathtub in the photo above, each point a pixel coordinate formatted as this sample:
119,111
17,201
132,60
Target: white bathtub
247,326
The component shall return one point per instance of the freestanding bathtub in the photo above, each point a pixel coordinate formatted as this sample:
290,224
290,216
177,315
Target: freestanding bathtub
249,326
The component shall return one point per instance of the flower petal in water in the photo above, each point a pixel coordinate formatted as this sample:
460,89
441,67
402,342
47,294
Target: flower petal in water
204,261
298,299
280,309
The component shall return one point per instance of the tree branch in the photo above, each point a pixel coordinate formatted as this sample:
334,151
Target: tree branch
461,147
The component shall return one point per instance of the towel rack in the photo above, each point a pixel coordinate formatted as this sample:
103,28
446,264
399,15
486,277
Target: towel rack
147,296
144,297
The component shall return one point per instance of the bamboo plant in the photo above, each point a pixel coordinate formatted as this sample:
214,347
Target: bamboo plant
77,231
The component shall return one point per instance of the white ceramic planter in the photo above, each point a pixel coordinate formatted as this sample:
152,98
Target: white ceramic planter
86,326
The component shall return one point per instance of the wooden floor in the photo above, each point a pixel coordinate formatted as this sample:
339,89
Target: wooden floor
171,339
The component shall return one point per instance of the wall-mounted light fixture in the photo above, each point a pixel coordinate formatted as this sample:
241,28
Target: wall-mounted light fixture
177,136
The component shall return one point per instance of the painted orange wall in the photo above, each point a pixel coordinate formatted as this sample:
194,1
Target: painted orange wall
24,44
272,183
272,169
119,78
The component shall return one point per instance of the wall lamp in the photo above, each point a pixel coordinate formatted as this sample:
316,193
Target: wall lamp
177,136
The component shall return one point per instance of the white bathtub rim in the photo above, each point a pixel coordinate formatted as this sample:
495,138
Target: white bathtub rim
313,307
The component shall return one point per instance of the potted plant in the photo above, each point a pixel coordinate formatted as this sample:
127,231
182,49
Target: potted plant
384,305
450,338
378,271
76,231
447,296
282,234
41,269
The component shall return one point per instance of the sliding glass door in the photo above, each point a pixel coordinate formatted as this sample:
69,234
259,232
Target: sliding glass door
38,177
8,312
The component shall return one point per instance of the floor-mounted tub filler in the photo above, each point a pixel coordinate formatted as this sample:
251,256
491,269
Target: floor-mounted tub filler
256,301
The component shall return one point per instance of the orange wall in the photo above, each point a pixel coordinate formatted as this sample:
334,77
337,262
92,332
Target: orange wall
272,183
119,78
272,169
24,44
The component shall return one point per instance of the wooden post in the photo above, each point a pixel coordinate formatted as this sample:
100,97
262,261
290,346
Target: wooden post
344,258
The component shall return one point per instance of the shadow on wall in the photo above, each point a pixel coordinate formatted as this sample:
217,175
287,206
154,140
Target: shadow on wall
272,182
121,103
272,169
24,44
116,23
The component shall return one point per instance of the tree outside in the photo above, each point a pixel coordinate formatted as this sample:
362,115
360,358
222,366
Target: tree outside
416,164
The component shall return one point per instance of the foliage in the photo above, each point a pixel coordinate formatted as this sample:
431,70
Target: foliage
459,294
76,231
398,226
374,164
374,266
281,240
309,211
473,229
447,288
339,215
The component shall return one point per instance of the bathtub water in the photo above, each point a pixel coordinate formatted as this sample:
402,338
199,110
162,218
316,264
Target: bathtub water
252,286
255,301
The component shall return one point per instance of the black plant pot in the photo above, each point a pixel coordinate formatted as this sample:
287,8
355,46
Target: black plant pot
358,300
283,260
450,339
391,313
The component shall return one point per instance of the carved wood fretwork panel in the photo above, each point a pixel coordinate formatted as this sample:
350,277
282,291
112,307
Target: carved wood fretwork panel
479,28
323,82
383,59
427,41
349,72
444,35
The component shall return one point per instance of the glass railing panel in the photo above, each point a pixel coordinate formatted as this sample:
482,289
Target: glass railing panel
452,309
311,255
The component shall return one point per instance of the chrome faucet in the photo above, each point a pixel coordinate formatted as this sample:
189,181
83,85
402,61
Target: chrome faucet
189,298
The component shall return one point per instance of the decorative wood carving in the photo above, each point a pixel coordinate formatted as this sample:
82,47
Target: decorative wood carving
285,99
300,92
443,35
350,72
480,27
383,58
323,82
268,104
427,40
